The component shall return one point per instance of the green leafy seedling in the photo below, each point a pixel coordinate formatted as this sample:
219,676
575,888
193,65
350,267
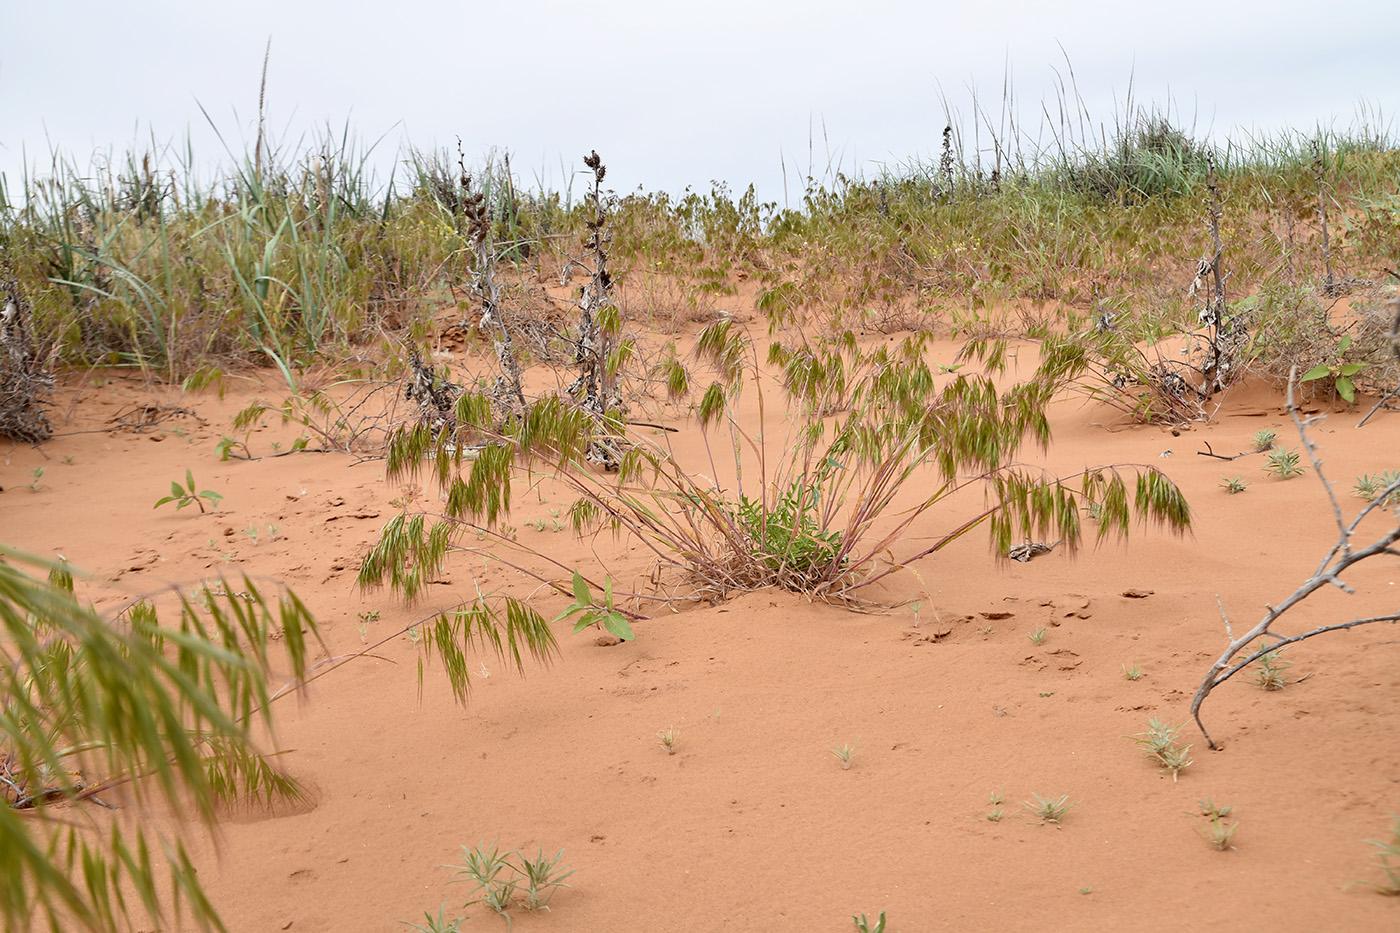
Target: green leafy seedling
1340,372
591,613
185,495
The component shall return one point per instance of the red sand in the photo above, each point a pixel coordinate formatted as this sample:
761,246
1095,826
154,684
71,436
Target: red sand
753,824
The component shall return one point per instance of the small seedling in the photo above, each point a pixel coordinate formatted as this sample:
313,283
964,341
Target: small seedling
1264,438
1132,673
369,615
485,869
1370,485
1086,890
68,459
185,495
844,754
272,532
1037,636
916,605
1233,484
1388,855
1049,809
252,532
1210,810
537,524
865,926
994,811
1269,671
1044,694
438,924
668,739
542,877
1340,372
408,495
1282,463
1219,833
596,613
985,630
38,474
1158,744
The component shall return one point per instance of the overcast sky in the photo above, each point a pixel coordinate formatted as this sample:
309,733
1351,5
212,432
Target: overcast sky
671,95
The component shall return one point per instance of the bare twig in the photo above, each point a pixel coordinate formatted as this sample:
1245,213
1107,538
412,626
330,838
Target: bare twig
1338,559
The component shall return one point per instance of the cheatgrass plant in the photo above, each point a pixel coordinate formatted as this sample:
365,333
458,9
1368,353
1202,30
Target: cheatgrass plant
668,737
1159,745
995,811
172,713
824,515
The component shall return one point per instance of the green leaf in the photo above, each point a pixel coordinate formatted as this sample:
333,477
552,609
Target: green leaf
1351,369
1344,344
189,480
1345,390
176,490
211,495
581,593
1317,372
161,502
616,623
583,623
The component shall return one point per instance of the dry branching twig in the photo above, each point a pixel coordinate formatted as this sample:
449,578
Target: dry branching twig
1340,557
